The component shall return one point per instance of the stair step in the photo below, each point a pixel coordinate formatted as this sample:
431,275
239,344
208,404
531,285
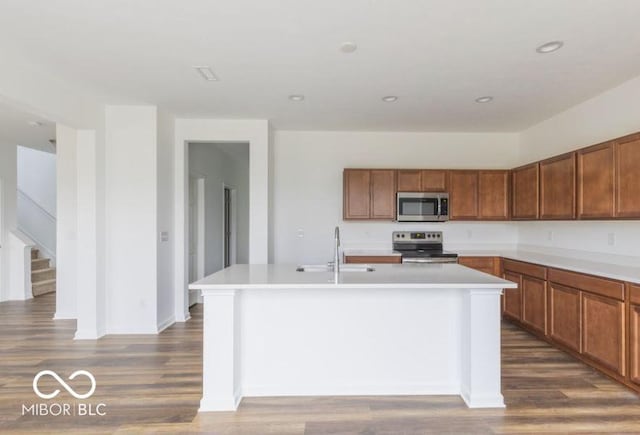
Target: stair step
43,275
35,253
43,287
39,263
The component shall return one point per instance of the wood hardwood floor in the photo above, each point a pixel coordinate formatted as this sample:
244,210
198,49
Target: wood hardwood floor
152,384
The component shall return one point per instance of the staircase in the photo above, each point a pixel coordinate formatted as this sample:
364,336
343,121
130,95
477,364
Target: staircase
43,277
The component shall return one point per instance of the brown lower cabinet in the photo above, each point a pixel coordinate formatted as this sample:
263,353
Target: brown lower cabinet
490,265
603,326
534,303
564,316
634,334
528,304
373,259
512,299
596,319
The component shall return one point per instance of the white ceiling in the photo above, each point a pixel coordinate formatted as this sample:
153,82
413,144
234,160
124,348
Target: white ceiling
436,55
16,130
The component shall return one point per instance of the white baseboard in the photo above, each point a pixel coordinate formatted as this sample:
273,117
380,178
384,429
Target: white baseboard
88,334
64,316
165,324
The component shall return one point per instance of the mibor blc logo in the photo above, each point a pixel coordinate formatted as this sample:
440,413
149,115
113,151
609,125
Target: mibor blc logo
64,384
55,409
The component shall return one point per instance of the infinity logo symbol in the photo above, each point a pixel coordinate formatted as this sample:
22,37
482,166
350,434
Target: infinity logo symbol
64,384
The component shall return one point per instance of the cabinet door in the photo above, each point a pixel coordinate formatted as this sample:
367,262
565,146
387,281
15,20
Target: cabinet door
603,331
634,343
493,195
534,303
627,157
512,299
524,192
357,193
433,180
596,182
483,264
463,195
558,187
383,194
409,180
564,316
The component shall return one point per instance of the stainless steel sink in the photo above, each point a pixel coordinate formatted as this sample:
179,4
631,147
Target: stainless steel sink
329,268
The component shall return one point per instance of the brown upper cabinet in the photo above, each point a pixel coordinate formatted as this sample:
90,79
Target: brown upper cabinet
558,187
596,182
627,176
433,180
427,180
463,195
525,192
409,180
493,195
369,194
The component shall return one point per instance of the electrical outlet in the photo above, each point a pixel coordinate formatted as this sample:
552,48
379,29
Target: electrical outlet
300,233
469,234
611,239
550,236
164,236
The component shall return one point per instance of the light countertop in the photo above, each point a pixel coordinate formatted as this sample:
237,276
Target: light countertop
607,268
385,276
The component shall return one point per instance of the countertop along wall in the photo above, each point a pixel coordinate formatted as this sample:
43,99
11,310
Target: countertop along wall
612,114
307,187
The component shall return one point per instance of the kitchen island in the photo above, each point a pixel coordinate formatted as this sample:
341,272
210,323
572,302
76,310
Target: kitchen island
401,329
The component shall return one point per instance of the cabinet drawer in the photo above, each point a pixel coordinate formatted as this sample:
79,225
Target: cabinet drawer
525,268
634,293
599,286
373,259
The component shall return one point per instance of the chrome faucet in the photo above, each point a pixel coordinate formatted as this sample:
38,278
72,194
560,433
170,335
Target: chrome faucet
336,255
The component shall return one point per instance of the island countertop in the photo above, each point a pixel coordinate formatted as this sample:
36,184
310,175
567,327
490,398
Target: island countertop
285,276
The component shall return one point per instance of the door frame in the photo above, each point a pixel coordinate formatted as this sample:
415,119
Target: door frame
233,222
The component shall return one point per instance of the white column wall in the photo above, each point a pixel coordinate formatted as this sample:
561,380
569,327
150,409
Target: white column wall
67,222
89,266
131,219
256,132
165,297
8,183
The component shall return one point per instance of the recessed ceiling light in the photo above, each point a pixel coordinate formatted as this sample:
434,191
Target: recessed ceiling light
390,99
348,47
206,73
296,97
35,124
485,99
550,47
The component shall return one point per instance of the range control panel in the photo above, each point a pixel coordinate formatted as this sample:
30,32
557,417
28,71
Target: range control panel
417,236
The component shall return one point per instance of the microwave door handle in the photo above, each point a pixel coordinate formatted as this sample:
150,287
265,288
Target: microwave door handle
439,206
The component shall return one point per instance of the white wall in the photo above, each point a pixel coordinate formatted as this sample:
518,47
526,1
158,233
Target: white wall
67,222
131,218
165,297
611,114
37,198
8,184
219,169
307,191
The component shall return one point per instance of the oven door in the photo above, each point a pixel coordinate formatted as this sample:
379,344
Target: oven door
418,207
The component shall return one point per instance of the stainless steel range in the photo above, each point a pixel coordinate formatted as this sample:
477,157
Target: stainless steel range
422,247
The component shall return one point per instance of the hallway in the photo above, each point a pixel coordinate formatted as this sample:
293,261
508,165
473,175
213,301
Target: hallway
152,383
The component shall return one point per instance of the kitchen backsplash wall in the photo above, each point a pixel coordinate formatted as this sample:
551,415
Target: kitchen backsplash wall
307,186
586,238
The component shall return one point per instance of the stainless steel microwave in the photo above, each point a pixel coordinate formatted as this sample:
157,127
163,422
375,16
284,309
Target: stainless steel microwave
422,207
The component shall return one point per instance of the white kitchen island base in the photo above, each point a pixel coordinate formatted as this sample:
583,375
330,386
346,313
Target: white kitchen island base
350,339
